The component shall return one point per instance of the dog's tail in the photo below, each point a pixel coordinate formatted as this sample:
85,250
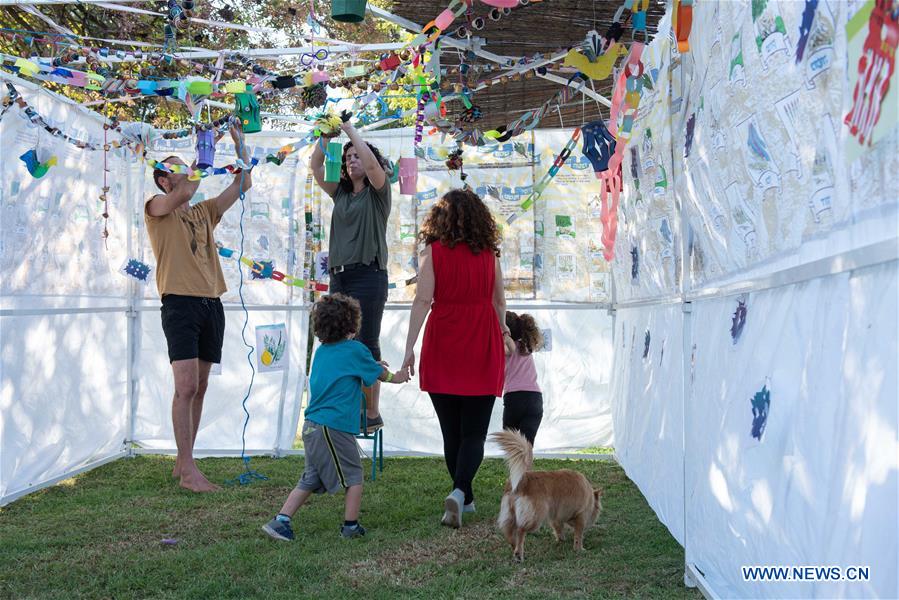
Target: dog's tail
519,456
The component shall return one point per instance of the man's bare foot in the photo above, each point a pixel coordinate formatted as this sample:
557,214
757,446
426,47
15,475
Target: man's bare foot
197,482
176,472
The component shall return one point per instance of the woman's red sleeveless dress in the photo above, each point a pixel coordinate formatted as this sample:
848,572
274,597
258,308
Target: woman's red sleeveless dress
462,351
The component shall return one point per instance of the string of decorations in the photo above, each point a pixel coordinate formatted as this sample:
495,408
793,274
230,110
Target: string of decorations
264,269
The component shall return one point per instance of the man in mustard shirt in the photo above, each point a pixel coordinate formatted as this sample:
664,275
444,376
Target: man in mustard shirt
190,281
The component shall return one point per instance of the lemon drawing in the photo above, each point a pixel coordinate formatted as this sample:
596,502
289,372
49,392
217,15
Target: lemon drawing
266,358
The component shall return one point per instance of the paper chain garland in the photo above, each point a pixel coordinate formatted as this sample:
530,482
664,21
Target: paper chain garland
15,99
547,177
264,269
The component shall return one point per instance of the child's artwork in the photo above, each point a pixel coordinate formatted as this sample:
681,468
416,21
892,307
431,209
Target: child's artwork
271,347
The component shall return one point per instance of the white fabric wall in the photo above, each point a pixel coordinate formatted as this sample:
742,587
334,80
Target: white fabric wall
820,487
63,397
648,407
808,234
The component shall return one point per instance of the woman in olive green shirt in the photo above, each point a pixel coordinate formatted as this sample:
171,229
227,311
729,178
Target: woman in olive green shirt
357,247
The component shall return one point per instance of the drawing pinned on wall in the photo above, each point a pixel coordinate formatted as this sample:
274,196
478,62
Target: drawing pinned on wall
743,220
805,27
761,167
636,168
600,287
761,403
321,272
738,321
271,347
407,232
820,200
566,266
770,31
661,184
737,69
788,109
818,55
872,35
564,227
666,242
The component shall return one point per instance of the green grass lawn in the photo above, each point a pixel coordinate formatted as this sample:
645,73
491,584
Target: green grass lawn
98,536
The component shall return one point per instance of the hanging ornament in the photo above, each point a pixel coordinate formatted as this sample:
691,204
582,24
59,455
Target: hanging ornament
315,96
36,167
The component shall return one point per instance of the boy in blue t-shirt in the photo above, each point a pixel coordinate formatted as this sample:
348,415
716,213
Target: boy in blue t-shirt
340,368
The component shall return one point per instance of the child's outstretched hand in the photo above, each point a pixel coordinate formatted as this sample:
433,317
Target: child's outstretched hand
401,376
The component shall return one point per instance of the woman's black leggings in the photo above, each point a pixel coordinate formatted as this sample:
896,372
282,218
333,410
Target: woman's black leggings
463,421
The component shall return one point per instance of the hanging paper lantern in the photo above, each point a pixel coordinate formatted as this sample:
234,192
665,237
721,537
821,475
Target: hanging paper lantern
333,161
205,148
247,110
348,11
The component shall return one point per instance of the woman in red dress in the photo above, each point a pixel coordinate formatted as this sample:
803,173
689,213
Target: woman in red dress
463,353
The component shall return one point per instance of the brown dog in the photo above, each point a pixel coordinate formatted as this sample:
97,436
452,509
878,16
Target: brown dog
533,497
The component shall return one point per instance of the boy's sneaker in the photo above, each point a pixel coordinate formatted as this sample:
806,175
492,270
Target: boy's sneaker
279,530
353,531
469,508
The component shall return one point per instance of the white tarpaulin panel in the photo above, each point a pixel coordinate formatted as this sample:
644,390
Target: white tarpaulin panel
791,445
574,373
274,398
648,409
64,398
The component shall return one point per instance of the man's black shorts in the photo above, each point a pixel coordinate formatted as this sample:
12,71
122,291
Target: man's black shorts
194,327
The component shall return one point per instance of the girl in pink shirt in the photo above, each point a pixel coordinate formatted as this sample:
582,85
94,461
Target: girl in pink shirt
522,399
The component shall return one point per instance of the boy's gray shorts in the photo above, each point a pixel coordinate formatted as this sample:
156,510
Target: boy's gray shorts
332,459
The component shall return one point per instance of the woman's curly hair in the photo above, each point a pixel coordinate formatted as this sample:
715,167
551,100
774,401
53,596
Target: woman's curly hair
345,183
460,216
524,331
334,317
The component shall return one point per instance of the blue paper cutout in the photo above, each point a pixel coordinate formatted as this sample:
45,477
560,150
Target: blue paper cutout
137,269
760,404
738,321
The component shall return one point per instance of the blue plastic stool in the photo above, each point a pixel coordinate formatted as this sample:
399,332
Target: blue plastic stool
377,446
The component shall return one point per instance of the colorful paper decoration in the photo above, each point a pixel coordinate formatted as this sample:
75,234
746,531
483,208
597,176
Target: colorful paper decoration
247,110
136,269
408,175
27,67
876,65
333,162
266,272
205,148
683,22
37,168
